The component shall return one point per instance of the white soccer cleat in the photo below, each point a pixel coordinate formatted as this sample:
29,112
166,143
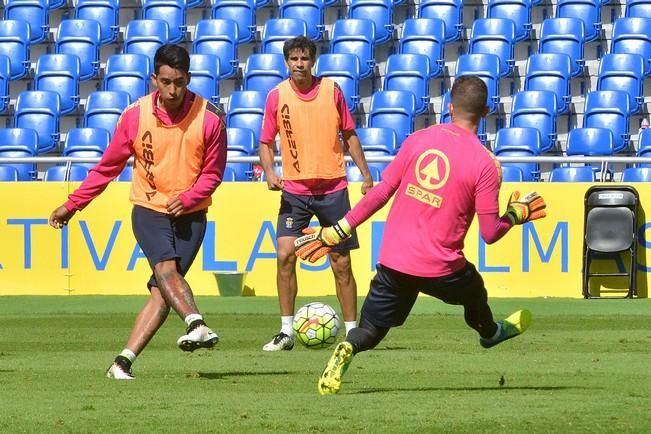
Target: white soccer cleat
117,372
279,342
199,337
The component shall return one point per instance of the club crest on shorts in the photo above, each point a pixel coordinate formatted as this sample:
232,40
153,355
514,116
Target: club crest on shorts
289,222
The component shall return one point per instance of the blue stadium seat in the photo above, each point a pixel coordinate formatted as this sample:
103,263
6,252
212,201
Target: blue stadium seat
631,35
425,36
623,72
393,109
14,43
245,109
486,67
536,109
20,143
519,11
240,11
588,11
86,143
636,174
564,35
241,143
128,73
409,72
276,31
81,38
310,11
126,174
591,142
8,173
204,69
378,11
450,11
644,144
56,4
263,72
103,109
444,117
378,142
355,36
105,12
262,3
552,72
572,174
34,12
494,36
39,109
230,174
145,37
608,109
59,73
5,77
218,37
344,69
519,142
354,175
638,8
511,174
170,11
74,173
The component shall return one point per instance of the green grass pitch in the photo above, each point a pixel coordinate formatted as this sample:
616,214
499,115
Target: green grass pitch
583,366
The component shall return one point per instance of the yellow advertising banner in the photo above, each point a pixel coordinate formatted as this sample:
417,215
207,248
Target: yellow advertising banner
97,253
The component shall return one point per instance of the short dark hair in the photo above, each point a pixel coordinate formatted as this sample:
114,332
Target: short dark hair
299,43
468,96
172,55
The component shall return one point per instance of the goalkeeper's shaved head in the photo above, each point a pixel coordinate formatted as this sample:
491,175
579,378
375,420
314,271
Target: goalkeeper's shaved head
468,98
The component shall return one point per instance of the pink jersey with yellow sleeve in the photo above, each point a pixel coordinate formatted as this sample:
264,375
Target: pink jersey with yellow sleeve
440,178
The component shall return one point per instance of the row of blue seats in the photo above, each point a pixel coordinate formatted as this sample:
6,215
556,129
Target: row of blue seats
77,173
106,12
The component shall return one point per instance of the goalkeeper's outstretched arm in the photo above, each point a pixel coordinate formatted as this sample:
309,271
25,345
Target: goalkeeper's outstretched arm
519,211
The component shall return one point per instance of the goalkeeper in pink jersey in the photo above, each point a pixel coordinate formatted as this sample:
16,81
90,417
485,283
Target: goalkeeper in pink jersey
441,177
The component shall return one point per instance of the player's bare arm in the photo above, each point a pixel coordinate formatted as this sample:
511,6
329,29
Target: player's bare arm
351,142
60,217
274,182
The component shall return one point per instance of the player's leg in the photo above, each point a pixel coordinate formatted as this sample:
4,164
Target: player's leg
189,230
466,287
148,321
293,217
329,209
388,303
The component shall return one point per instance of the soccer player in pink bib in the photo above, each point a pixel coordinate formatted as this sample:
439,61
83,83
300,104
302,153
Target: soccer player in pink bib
441,177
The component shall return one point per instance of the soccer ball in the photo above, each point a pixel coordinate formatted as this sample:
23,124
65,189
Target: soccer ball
316,325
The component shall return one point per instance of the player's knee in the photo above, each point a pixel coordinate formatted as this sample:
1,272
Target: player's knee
367,336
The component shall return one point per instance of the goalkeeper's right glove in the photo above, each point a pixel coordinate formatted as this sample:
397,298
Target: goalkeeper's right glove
316,244
522,210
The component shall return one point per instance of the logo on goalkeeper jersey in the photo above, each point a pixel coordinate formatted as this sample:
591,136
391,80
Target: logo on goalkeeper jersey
432,169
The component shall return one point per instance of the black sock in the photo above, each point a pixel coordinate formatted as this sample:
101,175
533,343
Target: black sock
124,363
194,324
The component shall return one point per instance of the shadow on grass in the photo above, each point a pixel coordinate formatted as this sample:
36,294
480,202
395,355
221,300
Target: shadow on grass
223,375
465,389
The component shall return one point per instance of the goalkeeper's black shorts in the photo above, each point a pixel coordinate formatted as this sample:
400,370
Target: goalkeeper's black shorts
162,237
393,294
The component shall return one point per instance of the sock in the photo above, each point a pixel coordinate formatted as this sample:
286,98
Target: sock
287,325
193,317
129,355
349,325
497,333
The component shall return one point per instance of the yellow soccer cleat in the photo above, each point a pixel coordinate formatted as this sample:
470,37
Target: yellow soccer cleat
330,380
516,324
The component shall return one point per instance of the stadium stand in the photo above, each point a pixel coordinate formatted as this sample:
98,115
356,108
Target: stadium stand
355,36
310,11
494,36
519,11
240,11
450,11
103,109
81,38
394,109
5,77
86,143
74,173
105,12
59,73
205,69
518,142
572,174
218,37
40,109
245,109
409,72
170,11
8,173
262,72
20,143
344,69
378,11
33,12
550,72
425,36
276,31
145,37
128,73
15,44
564,35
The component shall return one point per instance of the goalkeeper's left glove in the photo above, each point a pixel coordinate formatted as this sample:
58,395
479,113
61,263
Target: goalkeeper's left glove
316,244
522,210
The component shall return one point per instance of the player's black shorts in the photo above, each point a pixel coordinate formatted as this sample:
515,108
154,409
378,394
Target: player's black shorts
296,211
393,294
163,237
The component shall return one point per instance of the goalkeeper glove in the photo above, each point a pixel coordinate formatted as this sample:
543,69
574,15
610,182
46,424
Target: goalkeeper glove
522,210
316,244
